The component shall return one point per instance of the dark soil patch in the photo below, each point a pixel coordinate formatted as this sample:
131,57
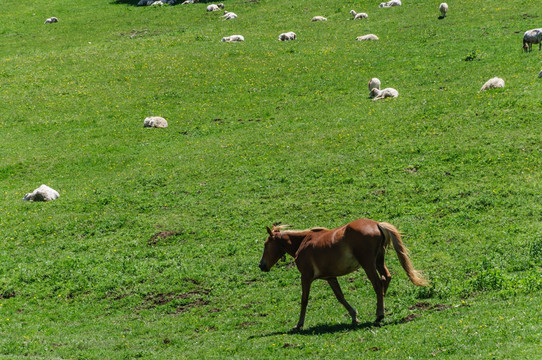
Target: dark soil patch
193,298
246,324
7,294
428,306
411,169
196,303
409,317
162,235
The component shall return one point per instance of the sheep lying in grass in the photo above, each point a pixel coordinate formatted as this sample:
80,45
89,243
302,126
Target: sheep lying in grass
378,94
287,36
319,18
374,83
531,37
51,20
155,122
233,38
359,16
214,7
493,83
43,193
443,10
367,37
229,15
390,4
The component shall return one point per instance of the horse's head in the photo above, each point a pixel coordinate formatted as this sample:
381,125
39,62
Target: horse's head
273,250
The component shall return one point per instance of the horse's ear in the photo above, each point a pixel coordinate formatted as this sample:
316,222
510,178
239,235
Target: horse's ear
269,230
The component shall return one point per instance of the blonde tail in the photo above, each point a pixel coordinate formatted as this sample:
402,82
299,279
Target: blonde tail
391,233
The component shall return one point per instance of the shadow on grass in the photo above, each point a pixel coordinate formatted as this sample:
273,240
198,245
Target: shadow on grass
125,2
320,329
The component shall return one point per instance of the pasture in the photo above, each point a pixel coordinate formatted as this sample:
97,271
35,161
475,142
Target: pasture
152,249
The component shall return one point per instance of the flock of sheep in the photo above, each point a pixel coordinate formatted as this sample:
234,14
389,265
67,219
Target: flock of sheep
534,36
530,37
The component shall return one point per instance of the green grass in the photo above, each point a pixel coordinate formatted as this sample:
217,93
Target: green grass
260,132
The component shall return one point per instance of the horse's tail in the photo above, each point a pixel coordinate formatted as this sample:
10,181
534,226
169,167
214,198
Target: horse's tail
392,234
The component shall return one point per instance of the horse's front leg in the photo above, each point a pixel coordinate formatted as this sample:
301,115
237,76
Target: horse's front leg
305,288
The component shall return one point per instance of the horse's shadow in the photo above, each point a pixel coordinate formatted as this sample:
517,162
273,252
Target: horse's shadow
321,329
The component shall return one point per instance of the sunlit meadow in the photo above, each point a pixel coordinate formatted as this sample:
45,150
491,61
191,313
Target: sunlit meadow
152,249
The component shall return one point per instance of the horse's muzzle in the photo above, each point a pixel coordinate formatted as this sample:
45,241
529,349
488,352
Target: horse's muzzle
263,266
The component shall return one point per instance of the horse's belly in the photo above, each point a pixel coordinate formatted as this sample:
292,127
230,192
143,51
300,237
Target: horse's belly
336,266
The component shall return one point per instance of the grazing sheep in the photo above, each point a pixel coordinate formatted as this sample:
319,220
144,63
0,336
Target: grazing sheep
374,83
531,37
233,38
229,15
359,15
287,36
367,37
378,94
155,122
43,193
390,4
443,10
51,20
319,18
214,7
493,83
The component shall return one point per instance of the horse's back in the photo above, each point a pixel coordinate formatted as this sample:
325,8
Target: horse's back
364,227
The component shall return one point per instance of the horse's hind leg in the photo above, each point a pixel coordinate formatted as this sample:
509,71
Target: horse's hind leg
379,290
385,275
339,295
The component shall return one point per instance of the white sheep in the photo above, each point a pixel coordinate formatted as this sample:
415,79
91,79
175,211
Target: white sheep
214,7
228,15
359,15
390,4
531,37
157,3
51,20
378,94
287,36
374,83
367,37
43,193
233,38
493,83
443,10
155,122
319,18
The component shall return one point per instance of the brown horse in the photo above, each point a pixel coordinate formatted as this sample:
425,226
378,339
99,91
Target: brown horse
321,253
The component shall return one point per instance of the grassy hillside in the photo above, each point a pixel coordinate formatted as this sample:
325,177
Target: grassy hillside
260,132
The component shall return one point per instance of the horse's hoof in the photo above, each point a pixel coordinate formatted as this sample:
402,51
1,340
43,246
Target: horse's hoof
297,328
379,319
355,322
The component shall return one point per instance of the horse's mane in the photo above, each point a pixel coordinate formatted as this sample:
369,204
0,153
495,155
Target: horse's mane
282,228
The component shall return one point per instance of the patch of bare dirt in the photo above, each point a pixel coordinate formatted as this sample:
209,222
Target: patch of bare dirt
409,317
162,235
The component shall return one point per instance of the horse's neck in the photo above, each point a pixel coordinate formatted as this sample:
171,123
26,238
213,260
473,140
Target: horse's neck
294,240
